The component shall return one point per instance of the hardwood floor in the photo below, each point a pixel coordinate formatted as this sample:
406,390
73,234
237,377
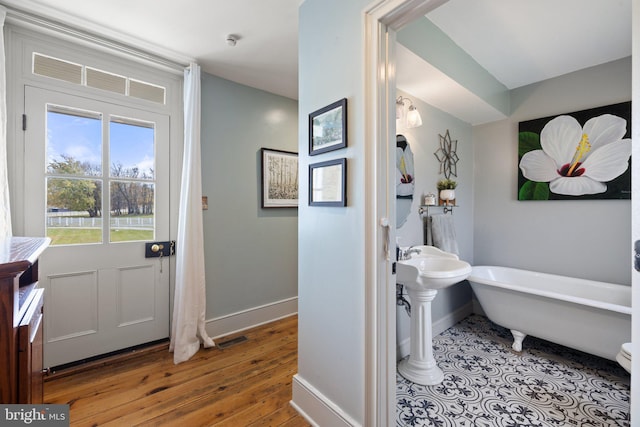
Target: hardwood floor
246,384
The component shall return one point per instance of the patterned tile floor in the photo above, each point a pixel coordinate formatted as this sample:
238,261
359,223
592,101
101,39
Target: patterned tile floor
487,384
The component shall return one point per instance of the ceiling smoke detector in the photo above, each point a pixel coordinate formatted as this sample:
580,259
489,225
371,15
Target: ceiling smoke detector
232,40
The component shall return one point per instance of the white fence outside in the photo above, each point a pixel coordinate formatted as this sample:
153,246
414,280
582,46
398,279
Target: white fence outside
143,223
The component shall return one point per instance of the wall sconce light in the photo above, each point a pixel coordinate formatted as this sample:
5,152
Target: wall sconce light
410,119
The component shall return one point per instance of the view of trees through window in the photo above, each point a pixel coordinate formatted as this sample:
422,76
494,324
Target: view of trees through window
79,188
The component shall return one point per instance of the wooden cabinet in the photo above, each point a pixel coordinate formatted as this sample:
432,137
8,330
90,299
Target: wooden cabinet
21,315
30,351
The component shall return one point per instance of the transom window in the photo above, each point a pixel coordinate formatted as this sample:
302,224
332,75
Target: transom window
71,72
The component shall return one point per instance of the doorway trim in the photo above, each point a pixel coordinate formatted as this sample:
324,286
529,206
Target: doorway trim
382,20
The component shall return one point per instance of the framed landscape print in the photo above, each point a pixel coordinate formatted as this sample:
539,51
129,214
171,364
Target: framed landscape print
328,128
279,179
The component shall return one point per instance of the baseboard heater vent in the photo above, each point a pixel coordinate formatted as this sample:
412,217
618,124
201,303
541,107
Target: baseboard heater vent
233,341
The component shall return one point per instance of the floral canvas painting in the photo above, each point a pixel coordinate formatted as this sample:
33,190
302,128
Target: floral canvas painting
581,155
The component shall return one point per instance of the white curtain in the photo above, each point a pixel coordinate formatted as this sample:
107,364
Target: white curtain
188,327
5,209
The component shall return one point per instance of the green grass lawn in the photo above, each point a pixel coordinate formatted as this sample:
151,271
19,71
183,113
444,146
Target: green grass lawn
74,236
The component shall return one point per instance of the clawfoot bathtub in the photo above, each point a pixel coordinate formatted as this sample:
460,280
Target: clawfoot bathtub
590,316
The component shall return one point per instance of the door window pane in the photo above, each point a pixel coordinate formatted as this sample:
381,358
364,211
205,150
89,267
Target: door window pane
132,211
131,148
75,152
74,211
132,197
74,141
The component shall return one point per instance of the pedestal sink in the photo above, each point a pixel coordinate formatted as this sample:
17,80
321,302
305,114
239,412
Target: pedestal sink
422,275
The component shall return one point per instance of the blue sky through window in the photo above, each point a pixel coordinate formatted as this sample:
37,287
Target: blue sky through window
74,136
132,147
80,137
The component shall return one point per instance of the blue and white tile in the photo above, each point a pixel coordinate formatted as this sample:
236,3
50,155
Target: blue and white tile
487,384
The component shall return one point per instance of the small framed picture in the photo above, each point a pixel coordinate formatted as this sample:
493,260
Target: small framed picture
328,183
279,179
328,128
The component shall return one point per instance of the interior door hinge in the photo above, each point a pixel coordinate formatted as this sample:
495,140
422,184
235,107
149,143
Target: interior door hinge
24,122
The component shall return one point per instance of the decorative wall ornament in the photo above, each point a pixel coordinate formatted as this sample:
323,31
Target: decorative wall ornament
447,156
579,155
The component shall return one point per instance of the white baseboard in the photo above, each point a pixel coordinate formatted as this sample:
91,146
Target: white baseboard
247,319
438,327
316,408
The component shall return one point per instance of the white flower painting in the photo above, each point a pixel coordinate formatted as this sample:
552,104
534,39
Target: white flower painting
569,160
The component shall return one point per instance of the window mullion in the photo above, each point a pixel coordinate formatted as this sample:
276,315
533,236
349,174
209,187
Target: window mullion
106,182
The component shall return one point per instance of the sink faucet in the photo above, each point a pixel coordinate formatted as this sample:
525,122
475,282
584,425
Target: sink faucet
406,253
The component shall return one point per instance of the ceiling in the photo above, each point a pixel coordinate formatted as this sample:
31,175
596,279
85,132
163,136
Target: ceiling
265,56
523,41
518,41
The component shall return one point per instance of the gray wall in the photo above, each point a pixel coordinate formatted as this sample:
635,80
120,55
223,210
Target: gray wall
424,142
250,252
331,242
582,238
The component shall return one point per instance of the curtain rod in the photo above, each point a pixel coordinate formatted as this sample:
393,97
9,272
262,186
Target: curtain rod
20,17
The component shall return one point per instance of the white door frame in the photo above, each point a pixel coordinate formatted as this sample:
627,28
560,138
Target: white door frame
382,20
22,39
635,209
122,298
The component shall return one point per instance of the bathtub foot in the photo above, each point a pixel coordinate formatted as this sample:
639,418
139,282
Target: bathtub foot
518,337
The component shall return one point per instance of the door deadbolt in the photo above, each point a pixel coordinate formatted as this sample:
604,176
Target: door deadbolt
158,249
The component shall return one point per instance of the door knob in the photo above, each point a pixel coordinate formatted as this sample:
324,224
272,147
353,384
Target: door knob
158,249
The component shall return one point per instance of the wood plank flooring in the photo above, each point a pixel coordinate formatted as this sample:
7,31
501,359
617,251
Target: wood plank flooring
246,384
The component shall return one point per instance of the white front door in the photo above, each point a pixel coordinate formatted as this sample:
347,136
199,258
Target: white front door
97,183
